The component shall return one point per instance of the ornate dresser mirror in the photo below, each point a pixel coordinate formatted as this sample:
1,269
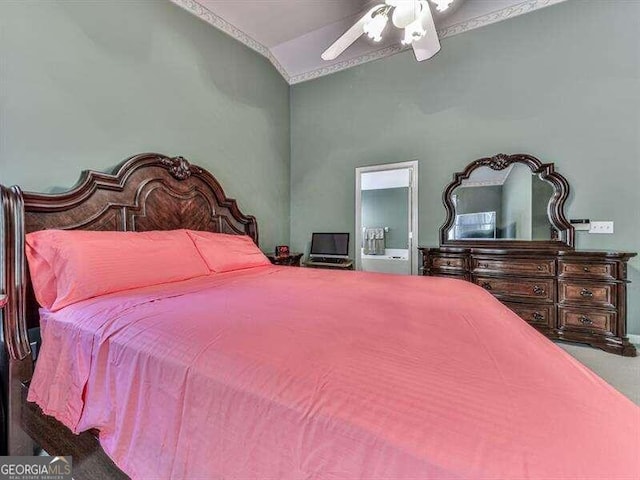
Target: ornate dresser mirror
506,231
507,200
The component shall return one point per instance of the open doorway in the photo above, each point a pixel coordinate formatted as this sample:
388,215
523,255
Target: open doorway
387,218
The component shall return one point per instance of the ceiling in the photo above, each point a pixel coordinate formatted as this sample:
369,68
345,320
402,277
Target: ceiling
487,177
292,34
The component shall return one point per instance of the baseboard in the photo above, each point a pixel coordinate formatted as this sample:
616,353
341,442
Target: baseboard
634,339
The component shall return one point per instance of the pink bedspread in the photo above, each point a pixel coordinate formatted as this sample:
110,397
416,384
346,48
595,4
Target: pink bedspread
292,373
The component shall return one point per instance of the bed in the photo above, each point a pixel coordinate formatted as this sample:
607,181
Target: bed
282,372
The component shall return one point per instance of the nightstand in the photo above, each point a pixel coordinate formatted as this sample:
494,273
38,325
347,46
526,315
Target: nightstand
291,260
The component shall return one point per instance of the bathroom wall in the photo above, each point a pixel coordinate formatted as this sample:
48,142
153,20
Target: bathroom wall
388,207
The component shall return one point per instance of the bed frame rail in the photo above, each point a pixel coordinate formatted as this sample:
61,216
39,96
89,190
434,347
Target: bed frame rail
17,365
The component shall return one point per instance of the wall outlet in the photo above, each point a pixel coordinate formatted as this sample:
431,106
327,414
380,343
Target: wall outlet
601,227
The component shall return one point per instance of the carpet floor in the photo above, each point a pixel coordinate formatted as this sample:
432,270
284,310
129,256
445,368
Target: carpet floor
622,373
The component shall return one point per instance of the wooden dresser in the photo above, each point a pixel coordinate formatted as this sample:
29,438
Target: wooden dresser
579,296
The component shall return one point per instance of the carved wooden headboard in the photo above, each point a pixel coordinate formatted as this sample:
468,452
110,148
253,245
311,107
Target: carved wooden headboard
146,192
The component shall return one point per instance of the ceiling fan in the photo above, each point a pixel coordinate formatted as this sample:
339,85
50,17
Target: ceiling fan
414,16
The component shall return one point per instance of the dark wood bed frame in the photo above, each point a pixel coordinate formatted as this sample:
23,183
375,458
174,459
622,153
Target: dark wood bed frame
149,191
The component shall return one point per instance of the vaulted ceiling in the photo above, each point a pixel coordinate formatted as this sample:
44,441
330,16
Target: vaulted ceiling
292,34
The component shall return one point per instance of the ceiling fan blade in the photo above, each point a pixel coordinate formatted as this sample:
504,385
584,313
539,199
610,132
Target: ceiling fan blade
350,36
429,45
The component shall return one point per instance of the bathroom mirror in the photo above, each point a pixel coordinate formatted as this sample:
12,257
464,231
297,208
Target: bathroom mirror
508,200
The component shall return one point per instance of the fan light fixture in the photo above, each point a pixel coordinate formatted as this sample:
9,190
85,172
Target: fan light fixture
413,31
374,27
412,16
442,5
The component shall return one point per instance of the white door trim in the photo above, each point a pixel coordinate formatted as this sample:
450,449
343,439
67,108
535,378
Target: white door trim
413,209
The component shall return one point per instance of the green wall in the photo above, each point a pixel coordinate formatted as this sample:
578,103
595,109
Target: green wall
516,199
474,199
88,84
562,83
541,192
387,207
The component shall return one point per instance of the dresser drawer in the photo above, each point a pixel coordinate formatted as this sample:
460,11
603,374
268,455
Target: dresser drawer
606,271
539,289
443,274
543,315
448,263
524,266
588,294
588,320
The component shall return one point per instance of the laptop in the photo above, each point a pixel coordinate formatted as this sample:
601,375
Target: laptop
329,248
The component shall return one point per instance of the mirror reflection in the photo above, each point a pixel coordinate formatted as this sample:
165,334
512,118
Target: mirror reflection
509,204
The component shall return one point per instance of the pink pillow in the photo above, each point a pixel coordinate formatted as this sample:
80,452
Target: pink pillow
67,266
224,253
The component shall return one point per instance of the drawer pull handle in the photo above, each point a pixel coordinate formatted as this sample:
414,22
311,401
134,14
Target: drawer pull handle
586,293
538,316
586,269
538,290
539,268
484,265
585,320
448,263
486,286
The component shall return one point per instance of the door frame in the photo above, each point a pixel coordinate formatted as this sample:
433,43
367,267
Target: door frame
412,165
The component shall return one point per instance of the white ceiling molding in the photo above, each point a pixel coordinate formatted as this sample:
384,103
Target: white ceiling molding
220,23
486,177
336,67
498,15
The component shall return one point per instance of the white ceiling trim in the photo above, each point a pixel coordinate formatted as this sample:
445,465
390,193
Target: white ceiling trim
220,23
208,16
496,177
336,67
497,16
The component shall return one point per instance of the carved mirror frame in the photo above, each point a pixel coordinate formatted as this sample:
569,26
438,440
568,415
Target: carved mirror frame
565,233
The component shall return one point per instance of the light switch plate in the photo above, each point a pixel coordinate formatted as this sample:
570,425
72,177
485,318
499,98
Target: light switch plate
601,227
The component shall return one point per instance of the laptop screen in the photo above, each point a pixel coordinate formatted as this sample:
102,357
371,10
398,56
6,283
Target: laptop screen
330,244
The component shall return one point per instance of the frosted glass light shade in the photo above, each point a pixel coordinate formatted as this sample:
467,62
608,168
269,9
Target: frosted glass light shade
442,5
414,31
374,27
